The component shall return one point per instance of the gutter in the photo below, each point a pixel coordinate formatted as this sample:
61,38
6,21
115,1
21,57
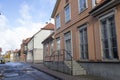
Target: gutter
103,7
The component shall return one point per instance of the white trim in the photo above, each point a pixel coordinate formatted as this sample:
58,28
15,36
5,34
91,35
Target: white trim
107,15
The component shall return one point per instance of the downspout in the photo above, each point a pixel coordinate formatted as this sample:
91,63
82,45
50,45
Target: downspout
33,48
94,41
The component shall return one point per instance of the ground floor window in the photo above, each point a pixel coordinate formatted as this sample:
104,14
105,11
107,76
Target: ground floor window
83,42
68,45
58,45
108,35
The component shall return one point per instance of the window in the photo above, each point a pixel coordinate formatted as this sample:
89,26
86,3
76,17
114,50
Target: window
58,44
68,45
83,42
51,48
82,5
109,40
46,49
57,21
67,13
94,3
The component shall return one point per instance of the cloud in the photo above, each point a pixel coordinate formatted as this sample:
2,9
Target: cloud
11,37
3,22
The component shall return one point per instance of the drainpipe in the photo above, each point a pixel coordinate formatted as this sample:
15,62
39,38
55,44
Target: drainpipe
33,48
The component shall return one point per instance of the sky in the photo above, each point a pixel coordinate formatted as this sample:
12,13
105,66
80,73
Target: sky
21,19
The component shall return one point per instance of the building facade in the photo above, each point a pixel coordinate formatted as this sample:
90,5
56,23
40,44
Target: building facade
23,50
87,33
35,47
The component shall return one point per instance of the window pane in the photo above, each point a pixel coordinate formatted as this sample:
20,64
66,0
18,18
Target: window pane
83,42
105,43
58,43
82,5
112,26
106,53
104,29
67,13
115,53
114,42
57,21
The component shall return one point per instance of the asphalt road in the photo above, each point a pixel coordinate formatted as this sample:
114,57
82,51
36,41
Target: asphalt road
21,71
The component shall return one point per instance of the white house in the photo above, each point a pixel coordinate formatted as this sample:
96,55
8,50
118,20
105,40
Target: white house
30,51
35,47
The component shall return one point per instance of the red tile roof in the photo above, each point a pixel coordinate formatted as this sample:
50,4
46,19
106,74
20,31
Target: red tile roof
26,40
49,26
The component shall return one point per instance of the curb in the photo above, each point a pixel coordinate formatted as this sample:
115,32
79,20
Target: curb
47,73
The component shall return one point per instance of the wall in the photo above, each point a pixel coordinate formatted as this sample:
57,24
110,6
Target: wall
38,46
108,70
39,37
29,53
38,55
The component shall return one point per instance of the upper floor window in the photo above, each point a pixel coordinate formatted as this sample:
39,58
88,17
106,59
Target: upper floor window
94,3
82,5
57,21
67,13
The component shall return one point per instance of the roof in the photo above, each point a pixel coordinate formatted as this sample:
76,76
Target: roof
103,2
55,8
49,26
104,6
26,40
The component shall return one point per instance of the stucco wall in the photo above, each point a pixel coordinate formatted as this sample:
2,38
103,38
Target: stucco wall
39,37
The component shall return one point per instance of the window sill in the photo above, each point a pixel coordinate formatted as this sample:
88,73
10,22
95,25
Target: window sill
57,28
80,12
67,21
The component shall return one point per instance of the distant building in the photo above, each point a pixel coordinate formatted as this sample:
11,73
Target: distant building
0,51
35,47
23,50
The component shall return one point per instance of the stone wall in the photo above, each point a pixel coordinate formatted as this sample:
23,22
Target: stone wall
108,70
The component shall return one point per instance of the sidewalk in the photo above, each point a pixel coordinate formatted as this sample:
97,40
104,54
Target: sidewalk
63,76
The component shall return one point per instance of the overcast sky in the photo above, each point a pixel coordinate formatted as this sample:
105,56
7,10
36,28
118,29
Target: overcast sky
21,19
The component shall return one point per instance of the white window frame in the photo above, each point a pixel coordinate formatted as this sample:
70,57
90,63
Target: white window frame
57,21
86,55
101,34
66,14
70,37
94,3
80,7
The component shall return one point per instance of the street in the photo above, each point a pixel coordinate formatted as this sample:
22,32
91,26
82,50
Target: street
21,71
